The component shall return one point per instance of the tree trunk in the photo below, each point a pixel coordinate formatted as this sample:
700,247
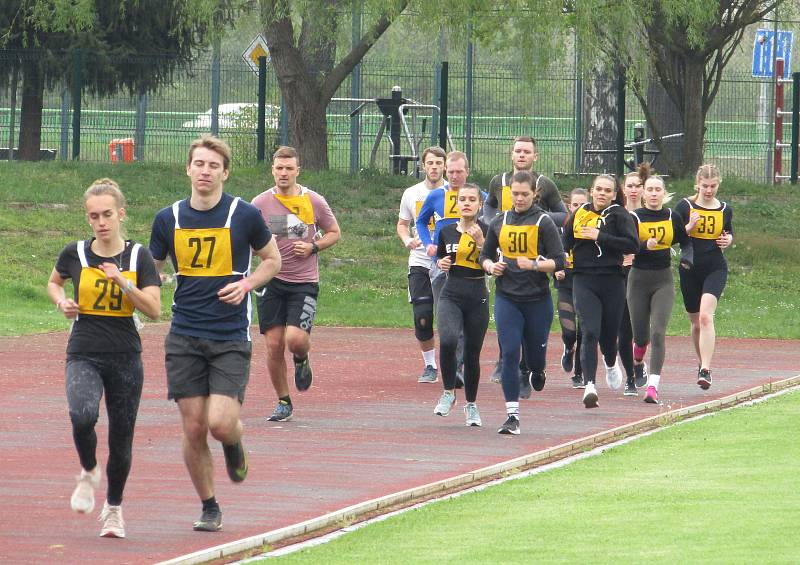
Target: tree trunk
599,122
665,119
694,117
308,126
30,128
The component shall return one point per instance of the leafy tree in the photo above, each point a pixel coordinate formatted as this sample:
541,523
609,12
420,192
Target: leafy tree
128,45
301,35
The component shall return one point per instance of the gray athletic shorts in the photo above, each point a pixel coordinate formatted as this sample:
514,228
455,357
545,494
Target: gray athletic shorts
200,367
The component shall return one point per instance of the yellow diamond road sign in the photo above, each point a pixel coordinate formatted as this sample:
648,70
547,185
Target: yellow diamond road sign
258,48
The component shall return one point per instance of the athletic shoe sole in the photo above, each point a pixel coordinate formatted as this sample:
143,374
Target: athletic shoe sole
590,400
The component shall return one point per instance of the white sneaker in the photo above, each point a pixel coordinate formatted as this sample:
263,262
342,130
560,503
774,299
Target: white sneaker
113,524
83,496
614,377
590,396
473,417
445,404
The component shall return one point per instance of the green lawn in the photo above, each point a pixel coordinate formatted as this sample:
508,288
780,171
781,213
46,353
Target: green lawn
364,276
722,489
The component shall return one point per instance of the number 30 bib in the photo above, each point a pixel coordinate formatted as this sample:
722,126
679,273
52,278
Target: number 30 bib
519,241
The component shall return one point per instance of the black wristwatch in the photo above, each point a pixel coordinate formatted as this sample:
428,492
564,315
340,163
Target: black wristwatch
314,248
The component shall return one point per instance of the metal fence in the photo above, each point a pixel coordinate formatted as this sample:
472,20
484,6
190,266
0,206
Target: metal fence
503,103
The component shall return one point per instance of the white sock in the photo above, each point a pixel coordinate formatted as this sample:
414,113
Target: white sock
429,357
653,380
512,409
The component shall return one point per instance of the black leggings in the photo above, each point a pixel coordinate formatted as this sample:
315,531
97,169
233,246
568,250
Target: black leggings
626,341
463,308
570,328
600,304
121,376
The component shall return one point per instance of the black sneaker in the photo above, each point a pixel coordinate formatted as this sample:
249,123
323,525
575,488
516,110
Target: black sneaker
567,359
537,380
302,374
525,385
704,378
510,427
210,521
630,388
640,374
577,381
235,461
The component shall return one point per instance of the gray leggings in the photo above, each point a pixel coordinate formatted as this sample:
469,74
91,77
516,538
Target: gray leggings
651,295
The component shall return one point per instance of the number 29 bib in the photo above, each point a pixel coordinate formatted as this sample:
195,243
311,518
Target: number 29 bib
100,296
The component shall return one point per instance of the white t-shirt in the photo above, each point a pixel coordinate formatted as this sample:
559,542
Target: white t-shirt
412,200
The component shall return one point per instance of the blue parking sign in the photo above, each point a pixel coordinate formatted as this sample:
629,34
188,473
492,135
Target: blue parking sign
763,45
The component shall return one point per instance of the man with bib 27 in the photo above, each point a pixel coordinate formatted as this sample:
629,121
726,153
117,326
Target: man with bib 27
287,306
209,237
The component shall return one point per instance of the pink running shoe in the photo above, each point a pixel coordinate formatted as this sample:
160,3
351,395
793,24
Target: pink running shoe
651,396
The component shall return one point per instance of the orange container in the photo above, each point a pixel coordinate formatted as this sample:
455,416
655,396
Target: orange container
121,150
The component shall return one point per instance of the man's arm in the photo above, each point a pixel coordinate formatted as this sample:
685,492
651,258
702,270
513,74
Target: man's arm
270,265
550,201
404,233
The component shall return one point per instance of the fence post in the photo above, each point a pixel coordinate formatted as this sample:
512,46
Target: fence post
777,156
795,123
578,162
77,87
12,118
437,95
141,126
468,100
620,161
443,76
355,92
66,101
215,82
261,132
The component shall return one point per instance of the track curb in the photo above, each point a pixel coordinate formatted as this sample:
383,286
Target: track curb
350,514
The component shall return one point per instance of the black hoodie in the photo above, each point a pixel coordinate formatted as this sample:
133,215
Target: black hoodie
517,284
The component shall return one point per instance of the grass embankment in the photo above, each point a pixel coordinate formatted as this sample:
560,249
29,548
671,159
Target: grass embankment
732,498
364,276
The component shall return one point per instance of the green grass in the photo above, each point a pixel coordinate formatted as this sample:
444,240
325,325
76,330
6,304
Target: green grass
732,498
364,276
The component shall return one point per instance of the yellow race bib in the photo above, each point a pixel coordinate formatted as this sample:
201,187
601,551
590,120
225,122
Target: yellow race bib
505,198
660,231
584,217
300,206
467,253
519,241
100,296
709,226
451,204
204,252
569,263
431,222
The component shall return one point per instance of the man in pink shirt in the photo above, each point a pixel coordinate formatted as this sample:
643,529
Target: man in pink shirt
287,305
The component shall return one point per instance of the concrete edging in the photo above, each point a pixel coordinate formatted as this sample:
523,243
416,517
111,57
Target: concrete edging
465,480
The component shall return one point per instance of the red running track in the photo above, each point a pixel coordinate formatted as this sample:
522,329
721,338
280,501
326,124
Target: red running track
365,429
